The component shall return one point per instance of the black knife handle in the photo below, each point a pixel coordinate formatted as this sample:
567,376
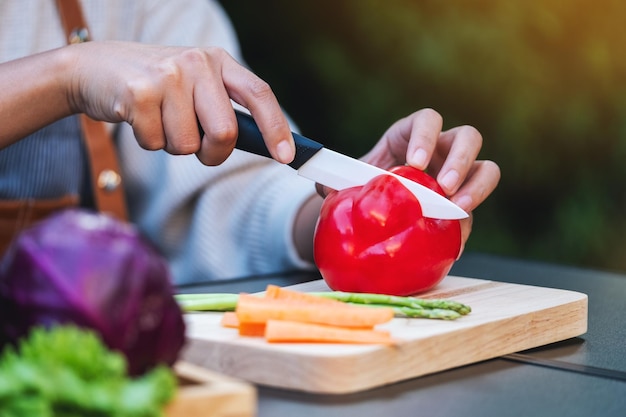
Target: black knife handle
251,140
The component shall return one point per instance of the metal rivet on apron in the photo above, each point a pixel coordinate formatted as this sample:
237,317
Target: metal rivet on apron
79,35
109,180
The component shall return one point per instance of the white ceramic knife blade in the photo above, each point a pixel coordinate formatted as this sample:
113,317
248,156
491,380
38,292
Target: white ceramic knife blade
339,171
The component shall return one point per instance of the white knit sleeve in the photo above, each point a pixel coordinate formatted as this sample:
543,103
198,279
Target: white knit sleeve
212,223
220,222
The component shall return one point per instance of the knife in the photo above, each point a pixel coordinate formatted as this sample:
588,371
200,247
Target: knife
338,171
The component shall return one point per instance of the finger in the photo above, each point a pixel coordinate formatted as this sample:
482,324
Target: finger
481,181
456,152
217,118
425,130
213,152
220,129
409,140
148,129
466,230
256,95
179,118
141,108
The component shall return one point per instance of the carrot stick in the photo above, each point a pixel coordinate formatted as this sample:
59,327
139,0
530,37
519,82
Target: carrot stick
280,293
229,319
259,310
292,332
252,329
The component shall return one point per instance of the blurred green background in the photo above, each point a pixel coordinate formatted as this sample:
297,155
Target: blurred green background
543,80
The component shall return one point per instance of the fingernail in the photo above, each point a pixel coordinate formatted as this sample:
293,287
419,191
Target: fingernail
450,180
419,158
285,151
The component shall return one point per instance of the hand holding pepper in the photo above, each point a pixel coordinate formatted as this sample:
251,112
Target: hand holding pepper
374,238
450,156
418,140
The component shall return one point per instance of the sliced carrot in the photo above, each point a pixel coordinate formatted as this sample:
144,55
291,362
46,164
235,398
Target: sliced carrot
252,329
295,332
259,310
229,319
284,315
281,293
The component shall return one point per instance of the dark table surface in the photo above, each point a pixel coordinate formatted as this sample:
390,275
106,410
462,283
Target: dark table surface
583,376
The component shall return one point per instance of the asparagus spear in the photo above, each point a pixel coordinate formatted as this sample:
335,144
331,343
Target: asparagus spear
403,306
421,313
207,302
393,300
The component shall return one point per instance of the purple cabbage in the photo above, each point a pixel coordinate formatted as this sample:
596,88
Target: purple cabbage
90,270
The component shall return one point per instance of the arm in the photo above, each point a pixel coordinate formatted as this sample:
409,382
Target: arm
158,90
34,94
304,226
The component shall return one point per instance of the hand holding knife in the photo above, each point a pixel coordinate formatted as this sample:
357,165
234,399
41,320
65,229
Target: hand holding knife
338,171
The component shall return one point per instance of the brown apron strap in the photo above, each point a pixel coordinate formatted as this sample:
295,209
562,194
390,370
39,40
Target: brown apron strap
17,215
72,18
106,180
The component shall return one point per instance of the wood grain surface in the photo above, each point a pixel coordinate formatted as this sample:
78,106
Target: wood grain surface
505,318
206,393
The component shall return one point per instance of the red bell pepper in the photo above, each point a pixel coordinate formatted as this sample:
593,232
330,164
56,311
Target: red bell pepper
373,238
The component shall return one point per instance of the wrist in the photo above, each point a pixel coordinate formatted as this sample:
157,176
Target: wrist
304,227
67,67
35,93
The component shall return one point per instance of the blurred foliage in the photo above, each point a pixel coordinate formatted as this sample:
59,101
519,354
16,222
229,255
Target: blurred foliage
543,80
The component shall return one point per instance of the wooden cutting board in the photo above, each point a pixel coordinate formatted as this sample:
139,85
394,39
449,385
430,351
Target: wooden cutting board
505,318
202,392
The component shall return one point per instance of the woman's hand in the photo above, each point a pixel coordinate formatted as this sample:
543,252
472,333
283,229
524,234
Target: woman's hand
164,91
449,156
161,91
